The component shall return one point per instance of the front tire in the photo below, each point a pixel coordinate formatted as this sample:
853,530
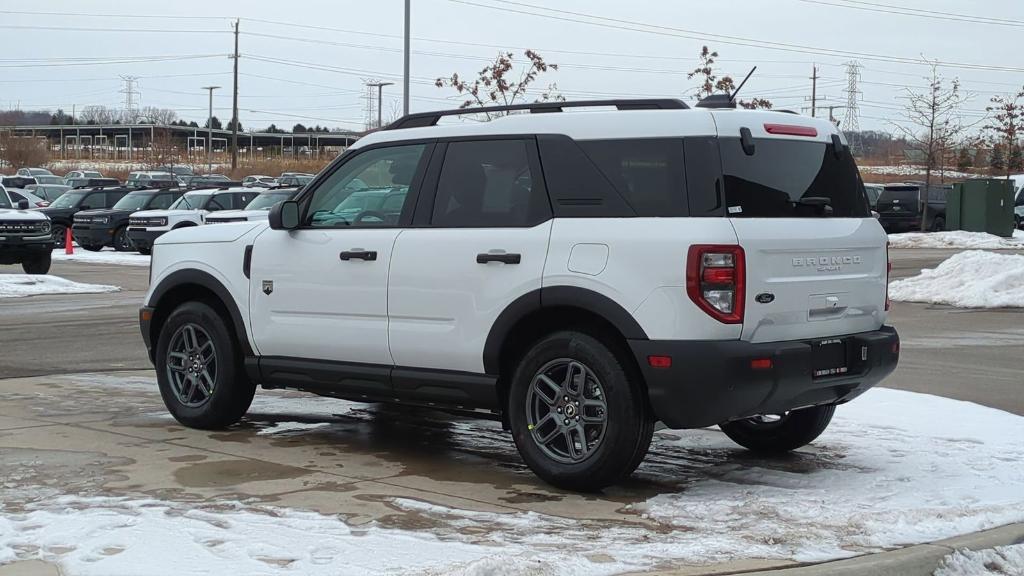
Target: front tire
791,431
198,368
37,264
92,247
122,243
578,412
59,232
145,251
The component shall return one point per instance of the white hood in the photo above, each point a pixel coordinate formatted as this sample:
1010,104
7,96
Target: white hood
201,234
13,215
159,213
234,214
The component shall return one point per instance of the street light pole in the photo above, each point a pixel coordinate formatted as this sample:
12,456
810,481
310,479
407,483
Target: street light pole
405,77
209,131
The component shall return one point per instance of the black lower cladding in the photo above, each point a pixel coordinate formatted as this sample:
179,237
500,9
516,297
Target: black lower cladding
87,235
142,238
710,382
16,250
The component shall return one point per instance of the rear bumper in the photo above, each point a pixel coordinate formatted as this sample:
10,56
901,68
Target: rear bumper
142,238
710,382
889,221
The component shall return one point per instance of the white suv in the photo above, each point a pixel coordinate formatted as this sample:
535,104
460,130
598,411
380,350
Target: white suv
190,210
255,210
577,275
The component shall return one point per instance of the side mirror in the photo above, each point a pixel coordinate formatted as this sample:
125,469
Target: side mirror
284,215
875,215
23,204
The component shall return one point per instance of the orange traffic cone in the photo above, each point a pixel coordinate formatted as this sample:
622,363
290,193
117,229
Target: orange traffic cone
68,248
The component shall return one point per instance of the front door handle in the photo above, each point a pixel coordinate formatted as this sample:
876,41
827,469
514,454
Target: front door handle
359,254
503,257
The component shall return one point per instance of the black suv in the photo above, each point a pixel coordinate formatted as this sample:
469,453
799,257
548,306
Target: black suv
92,182
94,229
63,209
899,207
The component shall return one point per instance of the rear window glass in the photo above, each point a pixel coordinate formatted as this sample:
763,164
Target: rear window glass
647,173
791,179
901,193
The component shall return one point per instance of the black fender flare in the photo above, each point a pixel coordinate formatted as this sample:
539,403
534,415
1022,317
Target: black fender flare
207,281
556,297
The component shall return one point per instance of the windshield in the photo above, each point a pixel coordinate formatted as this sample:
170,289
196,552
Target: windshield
68,200
190,202
133,201
5,202
267,201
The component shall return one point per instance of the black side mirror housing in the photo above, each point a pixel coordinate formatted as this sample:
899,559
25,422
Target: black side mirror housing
284,215
23,204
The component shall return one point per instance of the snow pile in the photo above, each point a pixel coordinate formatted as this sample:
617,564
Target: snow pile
18,285
105,256
998,561
973,279
891,470
906,170
956,239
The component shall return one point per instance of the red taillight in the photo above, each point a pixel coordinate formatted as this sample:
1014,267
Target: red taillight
660,361
761,364
791,130
888,272
715,281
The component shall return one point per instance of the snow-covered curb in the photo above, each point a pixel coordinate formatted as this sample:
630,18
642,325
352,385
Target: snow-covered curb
957,239
973,279
105,256
19,285
913,171
998,561
895,468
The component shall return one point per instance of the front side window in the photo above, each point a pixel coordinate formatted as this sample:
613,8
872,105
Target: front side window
368,190
159,202
488,184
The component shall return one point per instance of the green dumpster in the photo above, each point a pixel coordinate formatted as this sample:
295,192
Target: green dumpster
981,205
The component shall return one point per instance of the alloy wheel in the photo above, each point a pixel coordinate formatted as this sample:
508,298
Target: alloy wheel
192,365
566,411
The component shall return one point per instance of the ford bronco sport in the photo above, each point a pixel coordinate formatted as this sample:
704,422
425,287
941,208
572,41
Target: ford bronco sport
578,275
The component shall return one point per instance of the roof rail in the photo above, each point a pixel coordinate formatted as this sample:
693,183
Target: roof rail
421,119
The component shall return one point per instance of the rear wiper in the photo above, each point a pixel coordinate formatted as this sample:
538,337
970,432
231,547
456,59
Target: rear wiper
823,204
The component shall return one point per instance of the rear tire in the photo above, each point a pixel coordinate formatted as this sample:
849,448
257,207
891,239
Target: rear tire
795,429
92,247
939,224
145,251
37,264
199,369
600,383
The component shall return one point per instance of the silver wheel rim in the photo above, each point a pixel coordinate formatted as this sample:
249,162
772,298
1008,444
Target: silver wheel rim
566,411
192,365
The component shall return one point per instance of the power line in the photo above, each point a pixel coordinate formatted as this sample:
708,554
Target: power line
723,39
917,12
138,30
95,15
118,61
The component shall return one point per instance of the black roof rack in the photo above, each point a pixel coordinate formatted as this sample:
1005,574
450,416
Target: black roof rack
421,119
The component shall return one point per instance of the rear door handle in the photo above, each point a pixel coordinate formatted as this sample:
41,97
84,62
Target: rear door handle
503,257
359,254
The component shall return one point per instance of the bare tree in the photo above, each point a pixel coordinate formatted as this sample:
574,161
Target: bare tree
1007,125
933,124
97,115
22,151
711,83
154,115
496,83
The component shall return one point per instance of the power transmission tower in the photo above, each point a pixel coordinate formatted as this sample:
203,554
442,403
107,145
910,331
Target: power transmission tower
131,103
851,123
380,103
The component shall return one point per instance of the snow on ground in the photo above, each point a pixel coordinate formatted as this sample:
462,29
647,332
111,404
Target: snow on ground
911,171
956,239
973,279
894,468
291,427
18,285
105,256
998,561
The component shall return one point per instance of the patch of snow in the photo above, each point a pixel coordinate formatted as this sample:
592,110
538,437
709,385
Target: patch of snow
973,279
288,427
998,561
957,239
907,170
891,470
19,285
105,256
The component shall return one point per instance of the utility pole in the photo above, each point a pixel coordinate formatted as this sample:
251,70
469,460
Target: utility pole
380,99
234,108
405,77
209,131
814,91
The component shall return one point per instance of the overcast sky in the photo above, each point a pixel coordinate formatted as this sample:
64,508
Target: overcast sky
605,48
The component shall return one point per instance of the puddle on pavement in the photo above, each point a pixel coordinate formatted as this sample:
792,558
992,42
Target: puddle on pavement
223,473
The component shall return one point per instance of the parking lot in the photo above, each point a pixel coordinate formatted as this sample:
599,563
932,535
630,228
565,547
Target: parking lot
83,422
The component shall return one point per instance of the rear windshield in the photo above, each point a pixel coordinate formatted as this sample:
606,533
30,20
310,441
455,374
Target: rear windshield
791,179
901,193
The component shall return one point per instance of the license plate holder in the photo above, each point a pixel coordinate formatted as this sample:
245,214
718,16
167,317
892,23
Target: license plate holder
828,358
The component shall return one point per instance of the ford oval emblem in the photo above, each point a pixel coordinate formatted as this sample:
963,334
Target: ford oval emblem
765,298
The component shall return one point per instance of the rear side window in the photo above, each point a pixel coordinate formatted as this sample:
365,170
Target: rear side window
648,173
791,179
489,183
